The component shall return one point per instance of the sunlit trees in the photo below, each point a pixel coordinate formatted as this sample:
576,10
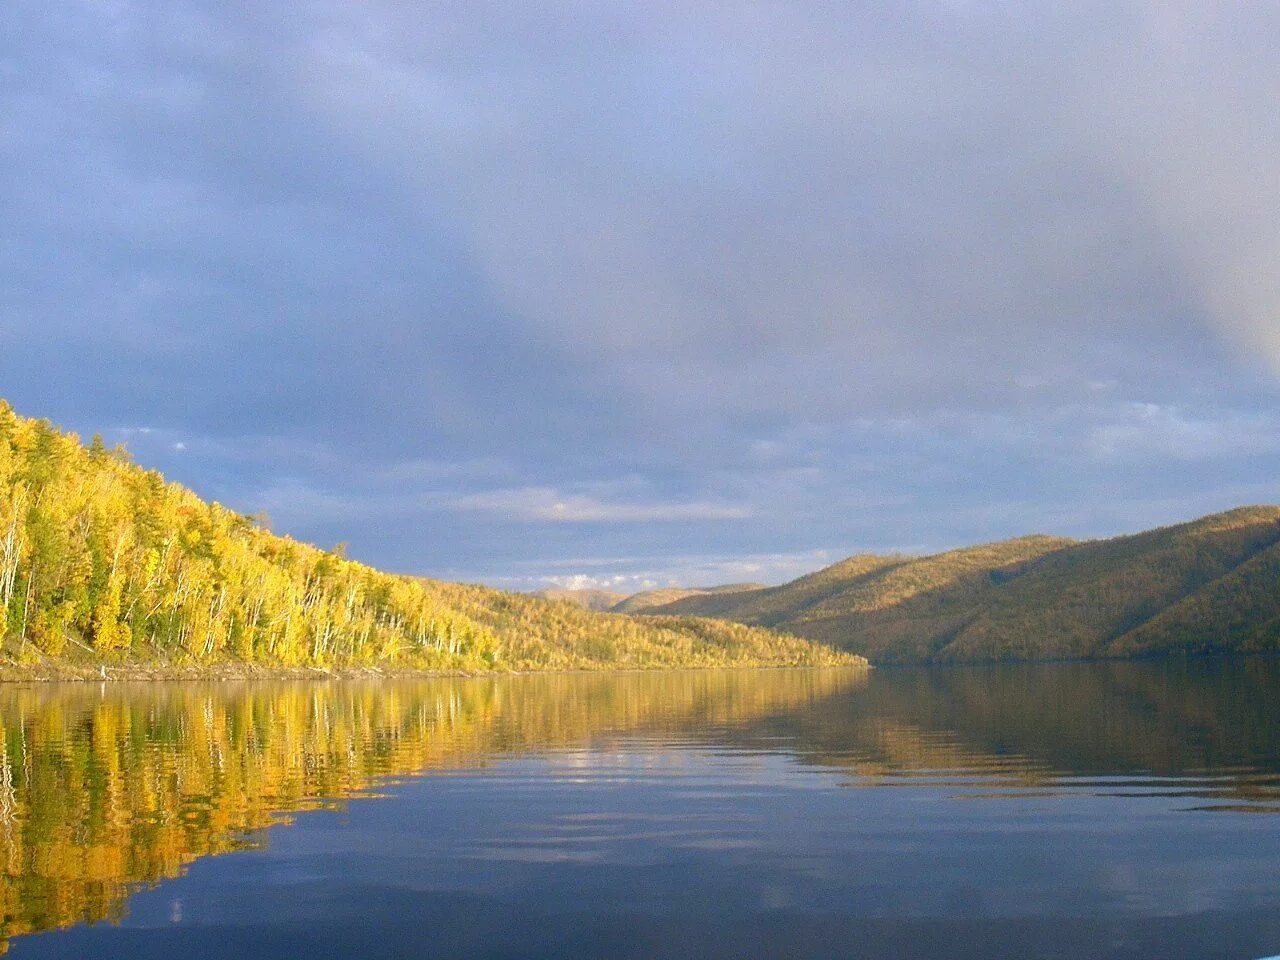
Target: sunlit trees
105,561
100,554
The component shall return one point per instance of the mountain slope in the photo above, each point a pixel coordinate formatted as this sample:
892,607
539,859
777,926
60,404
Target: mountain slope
884,595
588,599
1238,611
646,599
103,562
1086,600
1208,585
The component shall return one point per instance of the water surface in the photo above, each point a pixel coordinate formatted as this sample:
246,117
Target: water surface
1111,810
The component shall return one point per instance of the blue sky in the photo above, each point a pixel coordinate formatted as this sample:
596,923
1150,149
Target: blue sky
635,294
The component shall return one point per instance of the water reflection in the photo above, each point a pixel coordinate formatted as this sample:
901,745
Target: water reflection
107,788
1207,731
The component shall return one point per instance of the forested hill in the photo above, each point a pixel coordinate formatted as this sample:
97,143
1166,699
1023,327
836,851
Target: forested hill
657,598
1212,585
103,564
614,602
601,600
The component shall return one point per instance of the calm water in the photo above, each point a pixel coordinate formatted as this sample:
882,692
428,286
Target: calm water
1127,810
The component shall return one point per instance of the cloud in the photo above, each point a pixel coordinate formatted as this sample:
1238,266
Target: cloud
1147,431
485,287
633,574
816,203
1183,112
546,505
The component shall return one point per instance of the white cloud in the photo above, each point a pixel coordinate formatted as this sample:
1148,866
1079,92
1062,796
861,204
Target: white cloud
1147,431
633,574
545,504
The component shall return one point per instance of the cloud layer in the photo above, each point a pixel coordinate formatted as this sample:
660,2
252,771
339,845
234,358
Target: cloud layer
483,288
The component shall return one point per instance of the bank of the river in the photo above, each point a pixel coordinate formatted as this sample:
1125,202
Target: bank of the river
66,672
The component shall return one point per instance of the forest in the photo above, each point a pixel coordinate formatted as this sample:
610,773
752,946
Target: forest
104,564
1209,586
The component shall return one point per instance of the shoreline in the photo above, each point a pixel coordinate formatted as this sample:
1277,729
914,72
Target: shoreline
11,673
14,673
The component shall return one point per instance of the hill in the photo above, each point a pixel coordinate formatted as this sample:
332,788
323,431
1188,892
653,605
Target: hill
1200,587
648,599
103,563
588,599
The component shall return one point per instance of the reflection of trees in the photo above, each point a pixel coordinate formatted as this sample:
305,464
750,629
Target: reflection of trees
106,787
102,788
1034,723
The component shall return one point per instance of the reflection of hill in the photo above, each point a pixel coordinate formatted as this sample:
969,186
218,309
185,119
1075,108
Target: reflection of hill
1192,720
106,787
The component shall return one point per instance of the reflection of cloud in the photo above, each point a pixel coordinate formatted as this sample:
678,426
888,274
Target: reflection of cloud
515,853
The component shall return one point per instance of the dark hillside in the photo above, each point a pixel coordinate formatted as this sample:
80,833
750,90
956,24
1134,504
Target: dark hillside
1208,585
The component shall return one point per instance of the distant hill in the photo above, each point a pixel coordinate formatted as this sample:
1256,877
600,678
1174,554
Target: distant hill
648,599
105,565
599,600
614,602
1212,585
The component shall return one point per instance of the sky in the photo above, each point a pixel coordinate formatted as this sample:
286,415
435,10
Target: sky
628,295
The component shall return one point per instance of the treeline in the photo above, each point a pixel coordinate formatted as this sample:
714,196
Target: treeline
1210,723
98,553
104,561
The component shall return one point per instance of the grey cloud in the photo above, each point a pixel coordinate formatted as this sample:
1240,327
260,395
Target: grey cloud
726,280
741,211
